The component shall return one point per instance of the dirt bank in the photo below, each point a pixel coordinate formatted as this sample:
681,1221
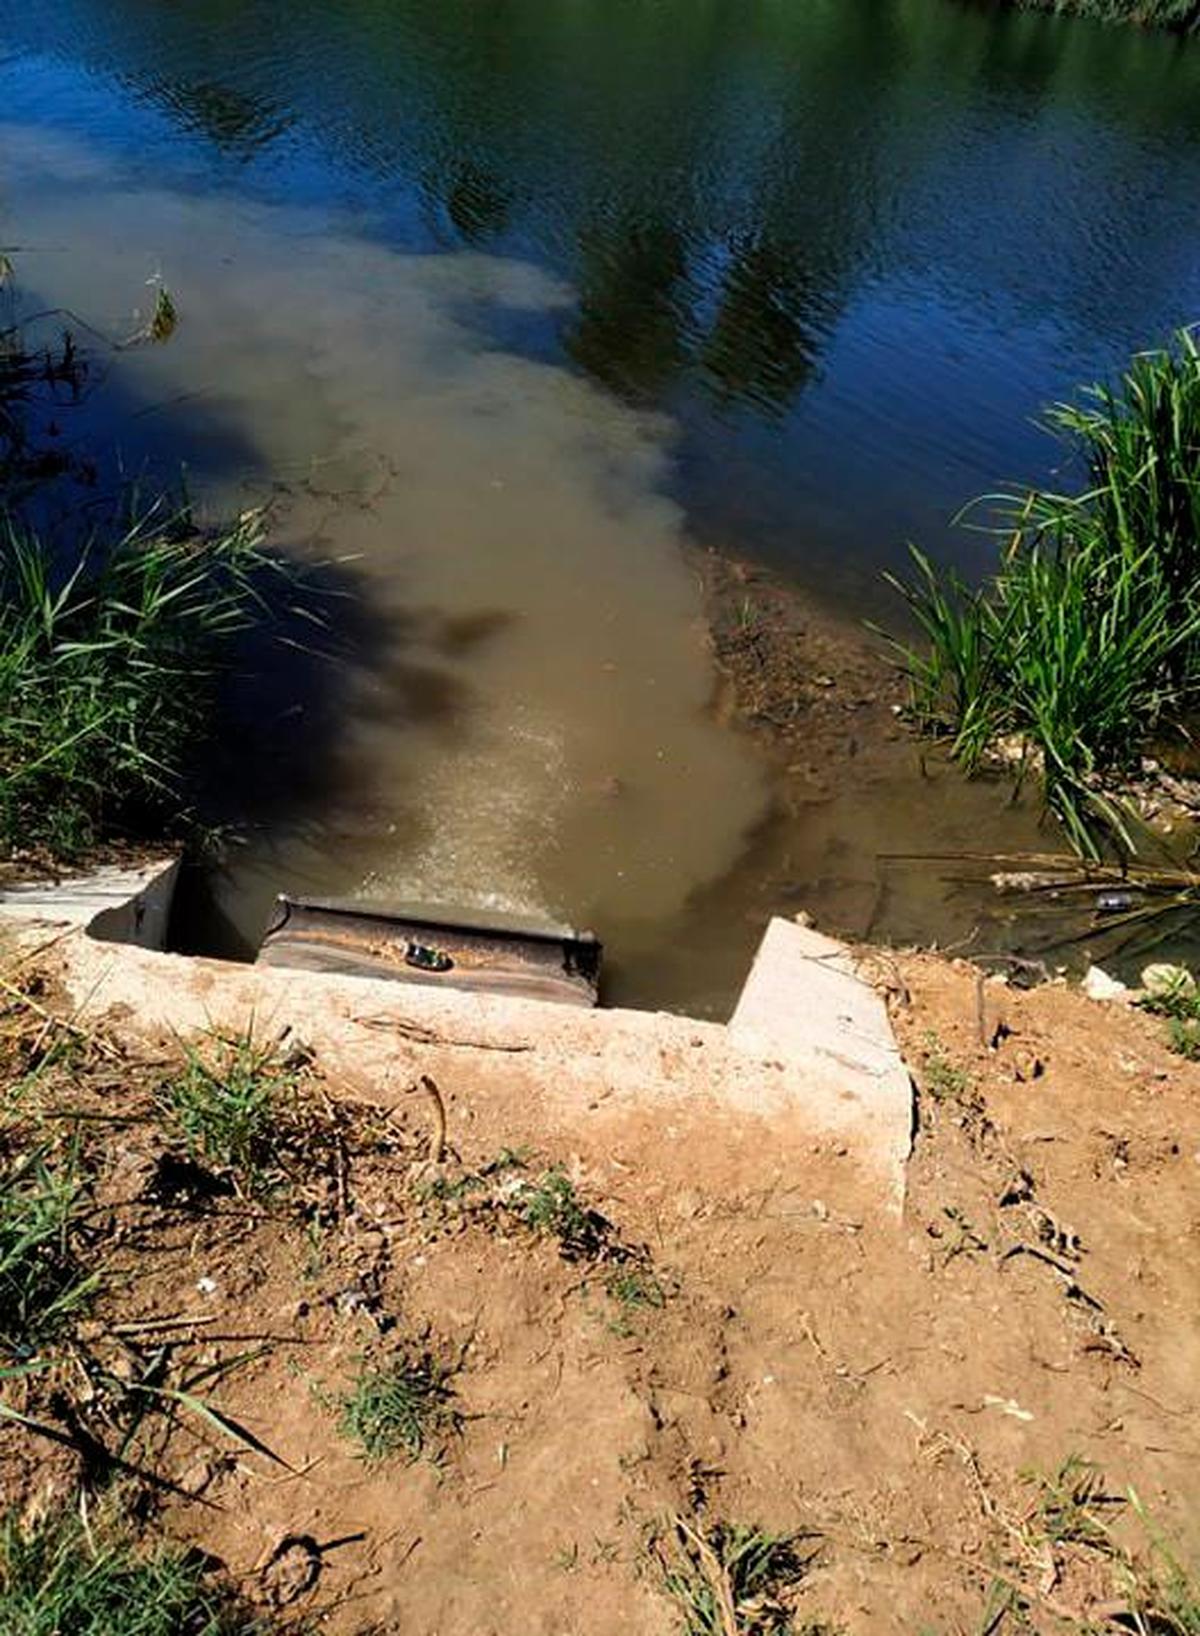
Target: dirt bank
731,1339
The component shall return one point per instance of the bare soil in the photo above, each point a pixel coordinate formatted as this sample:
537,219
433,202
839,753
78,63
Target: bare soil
884,1390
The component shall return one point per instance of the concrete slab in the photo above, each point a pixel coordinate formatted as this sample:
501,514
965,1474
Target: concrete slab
806,1002
806,1075
130,904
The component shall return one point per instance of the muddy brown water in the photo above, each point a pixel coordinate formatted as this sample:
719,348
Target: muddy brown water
502,316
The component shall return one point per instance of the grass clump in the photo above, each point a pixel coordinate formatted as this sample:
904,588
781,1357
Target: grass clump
732,1578
57,1581
231,1102
548,1204
1164,1595
397,1407
1071,1503
635,1291
1149,1590
43,1284
109,654
635,1288
1085,643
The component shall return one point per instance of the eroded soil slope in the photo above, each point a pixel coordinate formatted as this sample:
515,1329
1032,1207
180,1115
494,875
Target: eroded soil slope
634,1328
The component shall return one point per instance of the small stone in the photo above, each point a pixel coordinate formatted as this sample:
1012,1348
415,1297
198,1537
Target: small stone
1098,985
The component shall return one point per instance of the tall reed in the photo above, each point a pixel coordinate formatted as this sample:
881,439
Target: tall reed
1085,643
109,652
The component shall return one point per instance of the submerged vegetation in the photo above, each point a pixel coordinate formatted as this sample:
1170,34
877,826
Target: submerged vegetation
1084,646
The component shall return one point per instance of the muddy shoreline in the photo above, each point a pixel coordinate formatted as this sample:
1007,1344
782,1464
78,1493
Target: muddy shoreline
859,800
813,690
824,704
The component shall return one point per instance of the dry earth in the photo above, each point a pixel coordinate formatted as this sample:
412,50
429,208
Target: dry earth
885,1391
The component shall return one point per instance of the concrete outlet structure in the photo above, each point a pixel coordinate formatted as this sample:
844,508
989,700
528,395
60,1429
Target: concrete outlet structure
807,1067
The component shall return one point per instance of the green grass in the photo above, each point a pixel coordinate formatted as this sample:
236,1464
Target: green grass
401,1406
1164,1595
113,633
732,1571
943,1079
109,654
1085,643
231,1103
550,1205
1179,1003
57,1581
1071,1505
635,1289
1074,1512
44,1284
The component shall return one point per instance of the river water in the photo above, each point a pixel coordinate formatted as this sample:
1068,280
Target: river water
503,307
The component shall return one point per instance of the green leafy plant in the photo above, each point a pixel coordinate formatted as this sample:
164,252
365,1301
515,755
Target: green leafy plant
1179,1002
943,1079
550,1205
398,1406
635,1287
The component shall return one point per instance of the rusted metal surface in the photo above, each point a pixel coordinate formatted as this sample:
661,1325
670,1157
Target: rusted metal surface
408,945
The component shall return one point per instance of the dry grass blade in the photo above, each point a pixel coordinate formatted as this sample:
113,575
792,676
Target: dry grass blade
730,1579
216,1418
716,1575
